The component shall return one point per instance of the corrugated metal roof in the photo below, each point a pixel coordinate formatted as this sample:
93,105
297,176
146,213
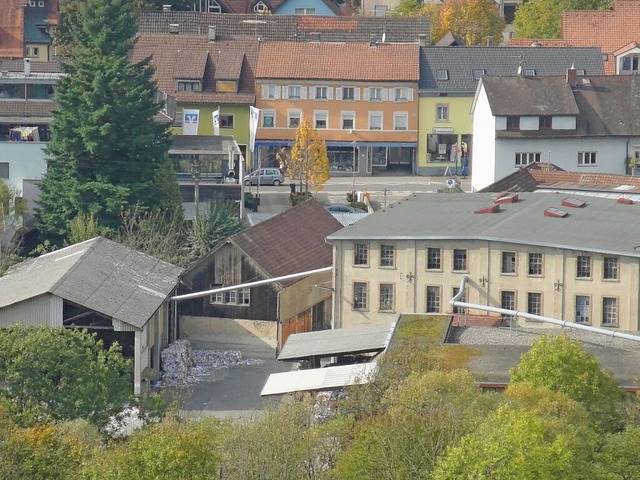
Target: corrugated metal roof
444,216
99,274
361,339
328,378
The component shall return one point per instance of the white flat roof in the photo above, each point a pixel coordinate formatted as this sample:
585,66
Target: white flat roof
315,379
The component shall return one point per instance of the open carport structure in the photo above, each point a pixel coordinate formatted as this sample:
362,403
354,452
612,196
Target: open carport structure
346,344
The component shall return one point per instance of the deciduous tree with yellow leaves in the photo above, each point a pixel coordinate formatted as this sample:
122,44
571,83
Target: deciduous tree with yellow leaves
307,162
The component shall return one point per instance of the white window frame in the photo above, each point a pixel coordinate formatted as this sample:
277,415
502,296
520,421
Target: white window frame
379,94
373,115
260,7
402,116
390,303
270,92
610,268
364,293
587,159
386,260
192,83
380,10
226,127
244,297
305,11
433,303
538,303
611,310
293,89
319,91
356,94
293,114
268,114
348,115
401,94
442,112
587,301
213,7
319,115
523,159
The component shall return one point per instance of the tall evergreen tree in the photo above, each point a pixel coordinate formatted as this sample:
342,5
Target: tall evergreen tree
106,150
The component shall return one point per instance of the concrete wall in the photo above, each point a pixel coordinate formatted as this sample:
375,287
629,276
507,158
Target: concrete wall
558,284
234,333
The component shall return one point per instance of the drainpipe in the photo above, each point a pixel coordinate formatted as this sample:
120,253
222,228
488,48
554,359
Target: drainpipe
529,316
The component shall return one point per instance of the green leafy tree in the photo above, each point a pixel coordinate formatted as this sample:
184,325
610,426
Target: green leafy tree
619,458
520,445
308,162
83,227
61,374
417,421
563,365
543,18
171,449
106,149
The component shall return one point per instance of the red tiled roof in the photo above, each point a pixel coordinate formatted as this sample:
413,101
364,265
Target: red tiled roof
339,61
26,108
194,57
291,242
11,28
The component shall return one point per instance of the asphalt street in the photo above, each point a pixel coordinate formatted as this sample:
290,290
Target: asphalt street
382,190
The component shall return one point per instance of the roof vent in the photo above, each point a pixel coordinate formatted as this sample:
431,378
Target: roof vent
27,66
586,82
511,198
573,202
625,201
174,28
555,212
492,209
212,33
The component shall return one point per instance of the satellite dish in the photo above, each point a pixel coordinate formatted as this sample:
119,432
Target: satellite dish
451,182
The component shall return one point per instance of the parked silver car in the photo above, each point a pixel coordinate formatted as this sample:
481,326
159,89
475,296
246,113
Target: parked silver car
268,176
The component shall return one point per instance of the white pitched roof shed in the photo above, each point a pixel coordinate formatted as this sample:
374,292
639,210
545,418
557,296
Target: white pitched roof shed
98,274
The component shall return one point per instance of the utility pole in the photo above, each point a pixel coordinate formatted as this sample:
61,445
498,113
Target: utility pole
195,174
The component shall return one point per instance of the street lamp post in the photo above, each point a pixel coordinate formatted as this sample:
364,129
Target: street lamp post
353,191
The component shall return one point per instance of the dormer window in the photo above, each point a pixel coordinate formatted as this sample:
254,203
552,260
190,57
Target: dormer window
224,86
513,123
188,85
630,63
260,7
529,72
442,74
214,7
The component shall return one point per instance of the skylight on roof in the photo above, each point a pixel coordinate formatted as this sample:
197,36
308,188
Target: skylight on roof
573,202
555,212
529,72
623,187
442,74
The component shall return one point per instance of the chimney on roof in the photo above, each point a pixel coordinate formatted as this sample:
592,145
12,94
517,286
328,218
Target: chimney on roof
166,8
174,28
422,39
571,76
212,33
27,67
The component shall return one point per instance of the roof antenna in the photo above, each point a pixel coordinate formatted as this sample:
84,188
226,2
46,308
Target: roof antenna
520,67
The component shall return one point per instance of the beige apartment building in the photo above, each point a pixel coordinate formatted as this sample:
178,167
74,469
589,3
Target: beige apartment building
546,254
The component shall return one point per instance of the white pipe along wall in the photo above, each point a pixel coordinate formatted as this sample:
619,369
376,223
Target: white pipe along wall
563,323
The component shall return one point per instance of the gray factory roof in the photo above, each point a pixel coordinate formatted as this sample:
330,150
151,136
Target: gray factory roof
98,274
601,225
